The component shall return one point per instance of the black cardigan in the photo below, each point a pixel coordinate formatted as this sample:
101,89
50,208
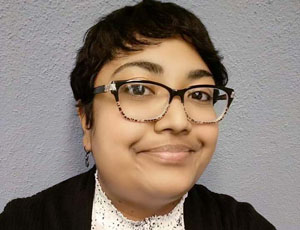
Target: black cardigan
68,205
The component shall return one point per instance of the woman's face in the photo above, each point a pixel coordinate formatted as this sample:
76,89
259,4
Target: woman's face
128,171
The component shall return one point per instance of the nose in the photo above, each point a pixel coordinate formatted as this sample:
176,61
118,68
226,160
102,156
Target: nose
175,120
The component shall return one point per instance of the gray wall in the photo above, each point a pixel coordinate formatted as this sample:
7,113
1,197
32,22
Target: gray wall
257,158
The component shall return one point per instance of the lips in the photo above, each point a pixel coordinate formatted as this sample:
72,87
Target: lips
169,153
170,148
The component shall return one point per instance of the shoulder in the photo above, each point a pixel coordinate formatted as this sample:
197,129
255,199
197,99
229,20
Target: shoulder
32,210
223,210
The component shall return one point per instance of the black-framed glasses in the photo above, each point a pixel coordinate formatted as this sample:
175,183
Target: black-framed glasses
147,101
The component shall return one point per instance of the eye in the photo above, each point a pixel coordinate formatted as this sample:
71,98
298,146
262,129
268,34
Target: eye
200,96
137,90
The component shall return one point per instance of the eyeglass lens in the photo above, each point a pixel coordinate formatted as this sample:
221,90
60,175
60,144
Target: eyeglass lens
146,101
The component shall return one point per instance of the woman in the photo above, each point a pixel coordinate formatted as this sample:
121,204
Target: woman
150,91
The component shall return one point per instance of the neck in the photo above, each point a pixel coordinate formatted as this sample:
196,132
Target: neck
141,207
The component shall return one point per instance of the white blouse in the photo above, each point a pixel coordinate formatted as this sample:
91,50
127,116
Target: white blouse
106,217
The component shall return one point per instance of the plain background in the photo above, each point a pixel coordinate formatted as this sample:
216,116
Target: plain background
257,158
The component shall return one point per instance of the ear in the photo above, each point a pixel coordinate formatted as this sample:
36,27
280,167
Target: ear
87,133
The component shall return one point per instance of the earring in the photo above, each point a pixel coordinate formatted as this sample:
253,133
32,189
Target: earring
87,163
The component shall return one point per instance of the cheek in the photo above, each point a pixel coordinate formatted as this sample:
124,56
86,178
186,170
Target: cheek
208,136
113,136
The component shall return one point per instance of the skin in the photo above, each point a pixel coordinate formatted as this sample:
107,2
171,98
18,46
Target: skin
141,184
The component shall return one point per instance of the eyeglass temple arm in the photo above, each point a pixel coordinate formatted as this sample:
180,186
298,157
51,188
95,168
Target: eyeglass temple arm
224,97
105,88
99,89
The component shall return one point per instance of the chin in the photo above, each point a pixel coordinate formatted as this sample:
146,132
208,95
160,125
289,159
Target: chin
171,187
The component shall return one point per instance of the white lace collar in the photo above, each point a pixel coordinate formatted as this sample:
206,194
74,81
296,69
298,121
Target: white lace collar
106,217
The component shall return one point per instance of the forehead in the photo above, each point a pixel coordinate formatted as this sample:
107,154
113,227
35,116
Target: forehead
171,60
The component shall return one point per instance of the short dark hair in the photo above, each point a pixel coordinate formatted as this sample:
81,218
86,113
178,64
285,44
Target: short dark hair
130,29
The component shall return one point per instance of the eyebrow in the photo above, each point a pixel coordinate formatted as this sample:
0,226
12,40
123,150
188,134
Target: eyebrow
149,66
196,74
158,69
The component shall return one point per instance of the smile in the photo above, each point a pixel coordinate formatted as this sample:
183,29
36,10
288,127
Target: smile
169,154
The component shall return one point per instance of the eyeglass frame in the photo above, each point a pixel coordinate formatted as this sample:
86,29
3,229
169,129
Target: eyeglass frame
114,86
